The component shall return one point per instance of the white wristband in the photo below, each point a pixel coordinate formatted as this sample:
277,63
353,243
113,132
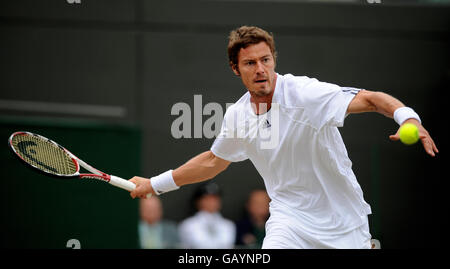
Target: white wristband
163,183
403,113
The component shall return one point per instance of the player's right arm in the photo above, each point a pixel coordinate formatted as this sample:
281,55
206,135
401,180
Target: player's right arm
367,101
202,167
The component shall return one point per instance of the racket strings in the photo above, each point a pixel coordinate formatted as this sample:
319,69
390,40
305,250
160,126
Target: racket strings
43,154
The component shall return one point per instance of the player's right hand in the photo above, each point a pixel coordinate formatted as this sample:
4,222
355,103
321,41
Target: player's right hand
143,187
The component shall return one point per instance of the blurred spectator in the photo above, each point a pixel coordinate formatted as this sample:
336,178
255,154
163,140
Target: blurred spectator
375,244
250,231
207,228
154,232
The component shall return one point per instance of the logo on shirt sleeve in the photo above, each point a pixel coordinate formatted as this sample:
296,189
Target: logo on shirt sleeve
350,90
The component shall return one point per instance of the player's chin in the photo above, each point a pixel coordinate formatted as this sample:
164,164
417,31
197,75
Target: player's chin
261,91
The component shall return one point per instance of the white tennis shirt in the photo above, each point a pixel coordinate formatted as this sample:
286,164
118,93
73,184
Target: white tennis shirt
299,152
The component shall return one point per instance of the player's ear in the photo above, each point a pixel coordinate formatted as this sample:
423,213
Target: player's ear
235,69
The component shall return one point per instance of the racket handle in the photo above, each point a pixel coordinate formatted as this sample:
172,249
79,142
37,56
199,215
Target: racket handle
124,184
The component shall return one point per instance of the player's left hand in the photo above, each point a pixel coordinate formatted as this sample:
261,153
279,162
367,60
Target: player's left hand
424,136
143,187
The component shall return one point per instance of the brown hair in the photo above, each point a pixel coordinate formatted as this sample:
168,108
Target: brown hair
245,36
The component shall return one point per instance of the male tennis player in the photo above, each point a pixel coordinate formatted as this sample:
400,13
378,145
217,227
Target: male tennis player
316,201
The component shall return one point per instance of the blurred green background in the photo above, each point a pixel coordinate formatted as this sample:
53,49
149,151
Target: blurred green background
39,211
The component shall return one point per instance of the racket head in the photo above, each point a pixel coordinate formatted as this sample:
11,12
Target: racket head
44,154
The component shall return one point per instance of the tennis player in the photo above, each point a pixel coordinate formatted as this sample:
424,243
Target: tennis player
316,201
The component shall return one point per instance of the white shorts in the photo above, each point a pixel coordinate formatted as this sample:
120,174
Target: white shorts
280,236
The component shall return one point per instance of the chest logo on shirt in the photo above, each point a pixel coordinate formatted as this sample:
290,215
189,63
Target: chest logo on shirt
267,124
263,130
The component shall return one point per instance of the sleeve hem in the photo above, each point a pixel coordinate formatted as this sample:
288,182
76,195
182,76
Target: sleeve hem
222,156
343,111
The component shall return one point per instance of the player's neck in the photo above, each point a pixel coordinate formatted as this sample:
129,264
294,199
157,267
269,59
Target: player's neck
262,104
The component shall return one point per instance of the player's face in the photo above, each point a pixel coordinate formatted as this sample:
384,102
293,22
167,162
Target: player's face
256,67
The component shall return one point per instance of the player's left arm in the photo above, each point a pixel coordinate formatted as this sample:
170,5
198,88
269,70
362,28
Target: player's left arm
371,101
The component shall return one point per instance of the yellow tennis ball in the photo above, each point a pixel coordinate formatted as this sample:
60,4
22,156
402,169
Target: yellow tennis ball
409,133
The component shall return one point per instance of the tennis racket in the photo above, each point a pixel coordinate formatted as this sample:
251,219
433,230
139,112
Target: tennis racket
53,159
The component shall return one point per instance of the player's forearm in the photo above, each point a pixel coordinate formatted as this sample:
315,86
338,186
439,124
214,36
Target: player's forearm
369,101
384,103
202,167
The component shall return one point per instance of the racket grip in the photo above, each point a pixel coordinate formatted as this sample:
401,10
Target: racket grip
124,184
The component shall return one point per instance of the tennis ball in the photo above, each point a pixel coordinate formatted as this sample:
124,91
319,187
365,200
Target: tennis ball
409,134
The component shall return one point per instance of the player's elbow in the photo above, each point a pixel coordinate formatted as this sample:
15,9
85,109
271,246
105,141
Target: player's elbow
363,102
370,100
215,165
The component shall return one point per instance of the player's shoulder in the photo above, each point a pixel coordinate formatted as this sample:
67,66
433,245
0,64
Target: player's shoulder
306,88
244,99
240,105
293,81
292,88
